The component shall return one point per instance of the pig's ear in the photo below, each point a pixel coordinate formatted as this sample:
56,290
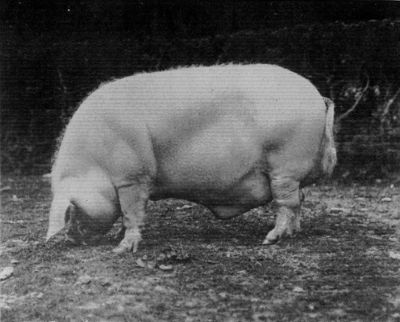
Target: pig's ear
58,212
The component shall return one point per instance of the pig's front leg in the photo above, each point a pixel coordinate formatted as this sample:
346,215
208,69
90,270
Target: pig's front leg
133,199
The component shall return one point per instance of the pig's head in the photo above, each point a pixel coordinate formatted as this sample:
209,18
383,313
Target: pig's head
82,227
83,219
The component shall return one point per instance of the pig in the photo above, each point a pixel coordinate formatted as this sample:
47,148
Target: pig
230,137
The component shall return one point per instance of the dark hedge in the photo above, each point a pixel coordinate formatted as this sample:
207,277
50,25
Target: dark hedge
43,80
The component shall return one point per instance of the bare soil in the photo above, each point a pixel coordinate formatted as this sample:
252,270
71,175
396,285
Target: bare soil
343,266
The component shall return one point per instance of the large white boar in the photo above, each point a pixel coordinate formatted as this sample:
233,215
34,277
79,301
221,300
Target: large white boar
230,137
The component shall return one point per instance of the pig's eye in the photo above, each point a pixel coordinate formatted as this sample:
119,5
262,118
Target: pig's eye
82,229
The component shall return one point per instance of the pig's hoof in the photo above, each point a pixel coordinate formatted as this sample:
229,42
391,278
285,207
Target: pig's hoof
130,242
273,237
270,241
126,246
121,249
71,240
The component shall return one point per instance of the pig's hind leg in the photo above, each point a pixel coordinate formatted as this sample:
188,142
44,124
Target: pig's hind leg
287,167
286,196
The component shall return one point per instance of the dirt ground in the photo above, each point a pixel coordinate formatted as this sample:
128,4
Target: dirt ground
343,266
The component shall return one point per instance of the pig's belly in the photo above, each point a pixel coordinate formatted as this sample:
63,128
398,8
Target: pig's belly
225,201
251,191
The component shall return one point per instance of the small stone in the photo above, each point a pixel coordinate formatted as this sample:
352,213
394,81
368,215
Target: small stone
166,267
105,282
84,279
222,295
140,263
394,255
264,316
15,198
151,264
38,295
298,289
4,189
191,303
336,210
171,254
161,257
6,272
337,312
89,306
212,295
160,289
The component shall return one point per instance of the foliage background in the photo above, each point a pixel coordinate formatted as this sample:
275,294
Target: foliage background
53,53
